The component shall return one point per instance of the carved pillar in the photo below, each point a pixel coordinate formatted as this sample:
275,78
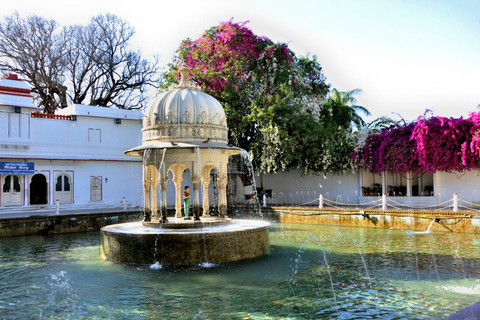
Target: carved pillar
196,199
163,207
149,181
222,182
152,177
206,200
154,203
205,178
178,197
147,206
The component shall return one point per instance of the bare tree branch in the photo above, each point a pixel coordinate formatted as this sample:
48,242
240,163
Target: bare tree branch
79,64
31,48
111,73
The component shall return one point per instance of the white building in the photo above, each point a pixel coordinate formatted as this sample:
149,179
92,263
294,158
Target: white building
401,189
75,156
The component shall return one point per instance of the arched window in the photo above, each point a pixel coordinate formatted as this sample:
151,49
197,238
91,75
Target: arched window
7,186
96,189
63,183
12,191
16,184
63,188
11,185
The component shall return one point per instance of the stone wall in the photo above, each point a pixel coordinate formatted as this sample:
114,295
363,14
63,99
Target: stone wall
64,223
413,220
418,221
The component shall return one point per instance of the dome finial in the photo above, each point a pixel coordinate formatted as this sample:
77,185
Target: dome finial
185,82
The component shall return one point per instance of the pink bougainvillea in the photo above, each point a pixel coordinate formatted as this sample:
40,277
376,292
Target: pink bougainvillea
223,54
441,144
390,150
227,55
428,144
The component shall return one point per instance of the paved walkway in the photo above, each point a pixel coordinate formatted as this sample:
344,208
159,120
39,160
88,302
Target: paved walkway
50,210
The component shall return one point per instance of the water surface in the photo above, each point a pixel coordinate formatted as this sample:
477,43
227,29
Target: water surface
311,272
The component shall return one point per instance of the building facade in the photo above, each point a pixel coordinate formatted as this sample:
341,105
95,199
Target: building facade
75,156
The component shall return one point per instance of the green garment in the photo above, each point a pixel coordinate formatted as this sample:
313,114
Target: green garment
186,202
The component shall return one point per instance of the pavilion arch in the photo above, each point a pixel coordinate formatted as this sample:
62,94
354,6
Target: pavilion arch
177,170
150,183
178,160
205,179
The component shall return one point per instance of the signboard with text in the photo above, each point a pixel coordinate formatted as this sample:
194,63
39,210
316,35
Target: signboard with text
21,168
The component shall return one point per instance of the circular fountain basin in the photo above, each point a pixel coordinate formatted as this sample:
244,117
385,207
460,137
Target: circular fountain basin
185,242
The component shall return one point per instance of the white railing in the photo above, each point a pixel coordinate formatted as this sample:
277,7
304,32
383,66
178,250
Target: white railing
384,202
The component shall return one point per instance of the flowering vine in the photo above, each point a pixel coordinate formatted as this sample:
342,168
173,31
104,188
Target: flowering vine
425,145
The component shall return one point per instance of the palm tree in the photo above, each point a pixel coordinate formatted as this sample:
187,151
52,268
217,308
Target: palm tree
347,100
380,123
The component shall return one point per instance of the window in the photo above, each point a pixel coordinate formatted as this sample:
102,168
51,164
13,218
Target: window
12,190
6,185
58,185
16,184
11,185
63,188
66,183
94,136
96,189
63,183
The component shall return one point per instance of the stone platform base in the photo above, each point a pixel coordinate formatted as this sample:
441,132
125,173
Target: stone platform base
175,223
134,243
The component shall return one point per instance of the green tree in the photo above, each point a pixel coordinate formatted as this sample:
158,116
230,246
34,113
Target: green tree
346,105
274,99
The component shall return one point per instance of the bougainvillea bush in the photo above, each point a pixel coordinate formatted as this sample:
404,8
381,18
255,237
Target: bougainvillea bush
428,144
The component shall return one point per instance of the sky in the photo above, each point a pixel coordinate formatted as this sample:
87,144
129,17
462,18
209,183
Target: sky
406,56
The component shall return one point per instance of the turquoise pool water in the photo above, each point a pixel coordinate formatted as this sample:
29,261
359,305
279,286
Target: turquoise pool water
311,272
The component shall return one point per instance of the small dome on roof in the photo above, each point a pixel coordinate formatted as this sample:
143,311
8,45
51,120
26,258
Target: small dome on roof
13,82
185,114
16,93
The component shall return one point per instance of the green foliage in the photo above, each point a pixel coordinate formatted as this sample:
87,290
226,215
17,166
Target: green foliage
274,101
347,108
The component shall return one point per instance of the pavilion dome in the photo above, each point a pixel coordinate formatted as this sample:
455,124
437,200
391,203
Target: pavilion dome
185,114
